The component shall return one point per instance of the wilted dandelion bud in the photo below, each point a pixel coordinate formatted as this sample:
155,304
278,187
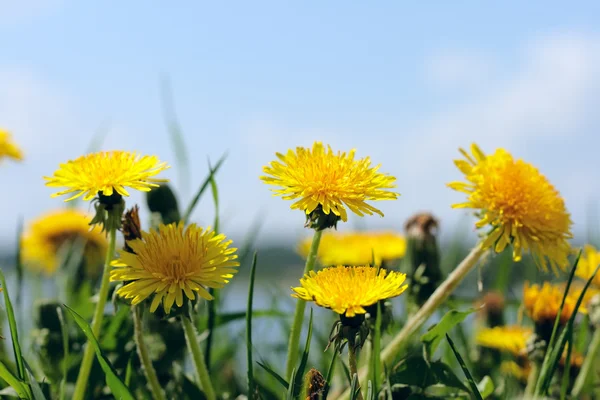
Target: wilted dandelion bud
315,384
422,256
493,308
131,227
162,200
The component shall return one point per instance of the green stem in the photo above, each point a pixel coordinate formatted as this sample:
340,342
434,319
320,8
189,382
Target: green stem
588,365
142,351
89,354
198,358
532,379
292,354
441,294
353,365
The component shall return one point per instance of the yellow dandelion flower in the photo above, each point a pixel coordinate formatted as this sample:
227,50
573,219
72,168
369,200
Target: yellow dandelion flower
541,303
589,260
8,148
519,205
105,173
347,290
511,339
520,372
174,261
321,179
45,236
356,248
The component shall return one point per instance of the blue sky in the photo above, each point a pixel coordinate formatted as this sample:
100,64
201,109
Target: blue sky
404,84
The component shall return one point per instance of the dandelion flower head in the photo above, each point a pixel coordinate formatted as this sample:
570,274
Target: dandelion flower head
348,290
511,339
8,148
357,248
589,260
542,302
319,178
106,173
518,204
174,261
45,236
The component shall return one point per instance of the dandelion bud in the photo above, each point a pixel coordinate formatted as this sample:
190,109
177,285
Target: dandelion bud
315,384
131,227
422,256
162,200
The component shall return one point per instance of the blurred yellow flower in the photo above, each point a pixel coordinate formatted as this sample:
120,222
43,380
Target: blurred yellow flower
589,260
45,236
8,148
542,303
107,172
320,178
520,372
356,248
347,290
174,261
511,339
518,204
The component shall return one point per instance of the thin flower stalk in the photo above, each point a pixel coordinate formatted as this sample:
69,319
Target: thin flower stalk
142,350
294,342
88,354
198,358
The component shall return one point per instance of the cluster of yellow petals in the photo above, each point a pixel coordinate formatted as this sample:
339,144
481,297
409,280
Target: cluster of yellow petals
107,172
8,148
347,290
511,339
173,261
357,248
542,303
47,234
589,260
518,204
319,177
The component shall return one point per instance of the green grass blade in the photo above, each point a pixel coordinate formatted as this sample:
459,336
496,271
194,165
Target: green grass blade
566,378
463,366
34,386
290,391
65,342
298,382
12,323
562,303
190,209
117,387
14,382
212,305
354,388
274,374
129,369
329,375
19,269
175,131
554,353
251,384
375,362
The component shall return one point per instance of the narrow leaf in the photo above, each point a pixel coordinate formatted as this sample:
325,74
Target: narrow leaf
18,385
354,388
251,384
329,374
463,366
175,131
486,387
12,323
375,362
117,387
433,337
36,390
274,374
299,381
65,342
202,189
